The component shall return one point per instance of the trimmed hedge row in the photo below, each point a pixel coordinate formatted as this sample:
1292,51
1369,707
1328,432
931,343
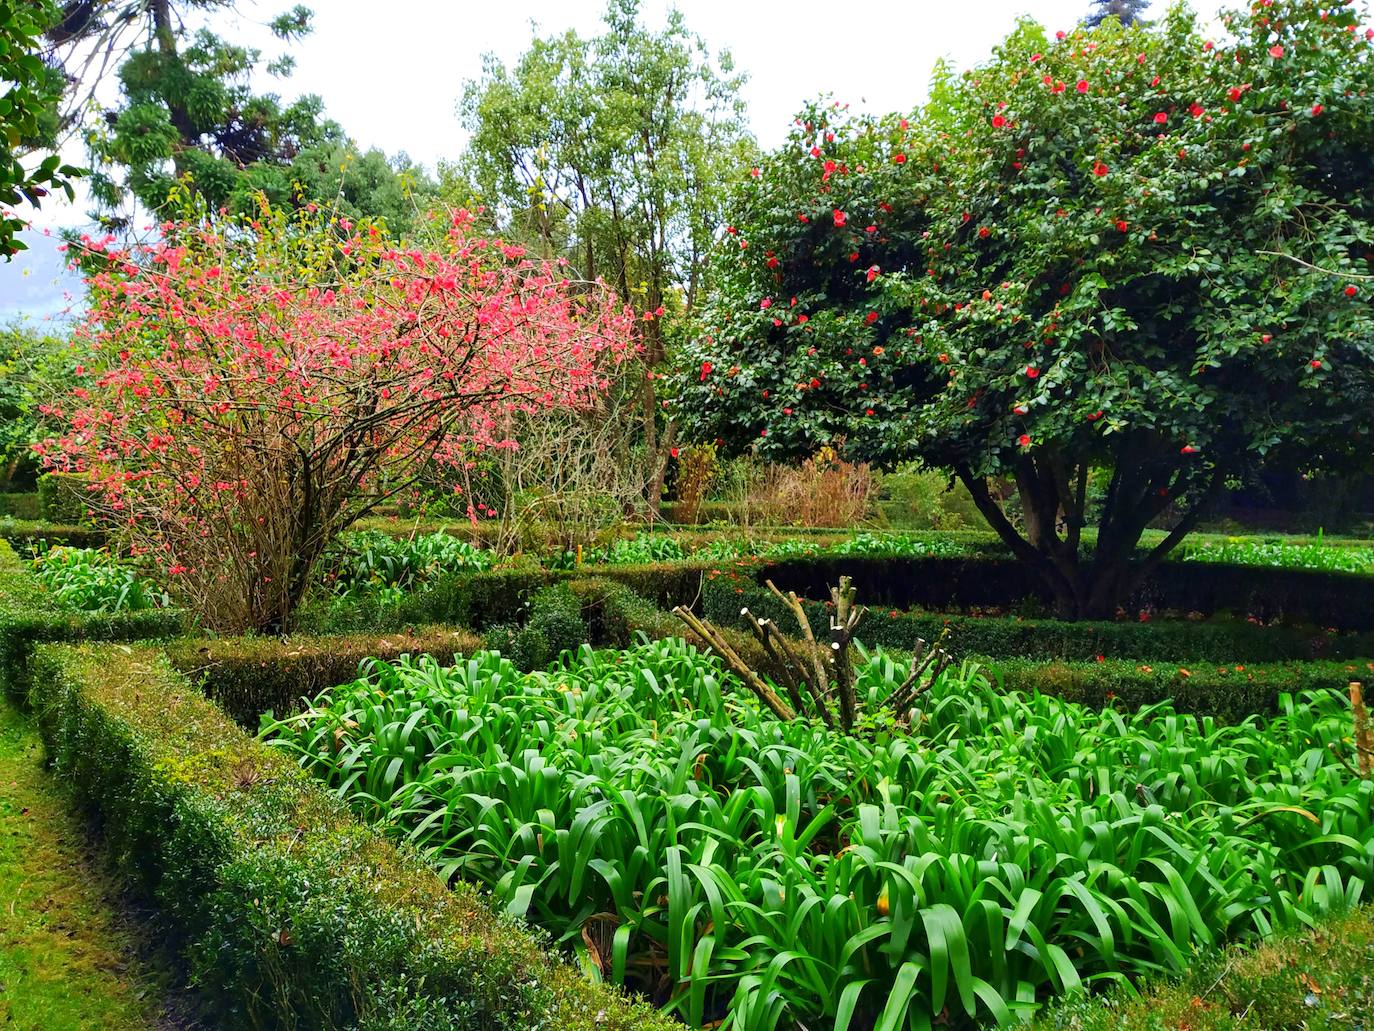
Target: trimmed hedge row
290,912
247,676
62,498
26,532
19,506
1229,692
1213,640
1341,600
27,618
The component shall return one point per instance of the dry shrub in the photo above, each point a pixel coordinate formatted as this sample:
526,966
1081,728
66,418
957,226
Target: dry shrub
825,490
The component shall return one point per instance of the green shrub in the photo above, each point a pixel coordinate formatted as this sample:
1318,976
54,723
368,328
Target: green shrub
63,498
91,580
19,506
248,676
289,912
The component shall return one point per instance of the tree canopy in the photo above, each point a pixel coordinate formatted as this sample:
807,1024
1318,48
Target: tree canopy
188,107
1127,249
28,119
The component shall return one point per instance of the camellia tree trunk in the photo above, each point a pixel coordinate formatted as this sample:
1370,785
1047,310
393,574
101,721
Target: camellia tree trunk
1090,579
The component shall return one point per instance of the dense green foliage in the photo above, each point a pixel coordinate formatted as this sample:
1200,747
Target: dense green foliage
28,118
376,564
1282,554
287,911
89,580
1127,249
1008,846
191,105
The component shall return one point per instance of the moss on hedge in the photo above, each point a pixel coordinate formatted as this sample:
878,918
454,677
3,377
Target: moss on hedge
290,912
1316,978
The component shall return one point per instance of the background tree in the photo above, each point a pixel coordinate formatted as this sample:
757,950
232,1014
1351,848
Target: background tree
1127,12
28,118
187,106
613,152
247,390
1142,252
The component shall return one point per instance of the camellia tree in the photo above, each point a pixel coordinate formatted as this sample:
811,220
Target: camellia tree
1129,252
247,389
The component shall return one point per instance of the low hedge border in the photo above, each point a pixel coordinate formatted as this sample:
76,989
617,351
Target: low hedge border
1329,599
290,912
19,506
25,533
28,618
248,676
729,589
1229,692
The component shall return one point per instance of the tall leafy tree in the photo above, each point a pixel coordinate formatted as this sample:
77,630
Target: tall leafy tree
28,118
188,107
1128,251
613,152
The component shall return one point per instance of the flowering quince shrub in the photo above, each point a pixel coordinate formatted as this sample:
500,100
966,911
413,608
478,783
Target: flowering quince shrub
1136,250
247,389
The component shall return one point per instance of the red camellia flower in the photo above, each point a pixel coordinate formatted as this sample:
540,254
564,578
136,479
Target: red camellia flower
1351,290
706,368
1099,169
1094,416
1315,363
1187,449
1276,51
868,411
1058,87
873,272
871,317
1160,118
899,159
839,217
998,121
1317,109
767,302
802,319
1264,339
1195,109
984,232
673,452
1082,86
1020,409
1024,440
1032,371
1122,225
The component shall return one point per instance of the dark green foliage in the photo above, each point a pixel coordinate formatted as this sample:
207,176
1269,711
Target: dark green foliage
19,506
29,535
289,912
248,676
1294,596
29,118
1165,640
63,498
1230,692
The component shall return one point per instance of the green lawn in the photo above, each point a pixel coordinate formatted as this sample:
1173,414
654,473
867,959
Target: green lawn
65,961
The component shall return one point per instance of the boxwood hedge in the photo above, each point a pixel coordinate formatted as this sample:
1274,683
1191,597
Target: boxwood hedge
290,913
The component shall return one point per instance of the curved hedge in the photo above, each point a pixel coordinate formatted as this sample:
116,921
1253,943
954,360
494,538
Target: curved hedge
290,912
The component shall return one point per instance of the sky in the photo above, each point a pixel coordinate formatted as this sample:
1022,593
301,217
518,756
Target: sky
393,81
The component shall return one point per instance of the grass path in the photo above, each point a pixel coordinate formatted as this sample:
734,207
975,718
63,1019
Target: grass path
65,961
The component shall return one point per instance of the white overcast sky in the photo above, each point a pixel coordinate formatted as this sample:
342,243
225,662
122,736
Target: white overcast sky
392,73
